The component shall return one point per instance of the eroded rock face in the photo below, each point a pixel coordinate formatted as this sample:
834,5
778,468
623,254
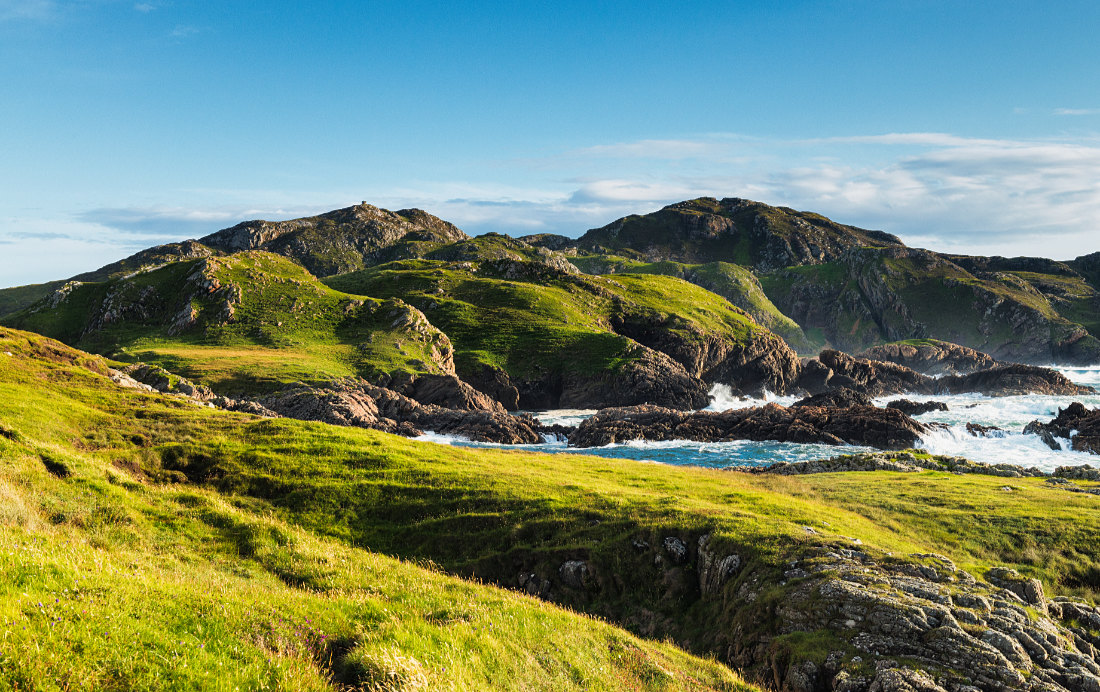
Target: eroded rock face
965,634
653,377
836,398
861,425
1075,424
363,405
1012,379
932,357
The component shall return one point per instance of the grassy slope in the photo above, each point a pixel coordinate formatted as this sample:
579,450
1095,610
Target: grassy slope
1072,296
198,509
109,580
734,283
287,327
941,296
561,321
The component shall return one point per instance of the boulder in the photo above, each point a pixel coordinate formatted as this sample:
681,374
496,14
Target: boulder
916,408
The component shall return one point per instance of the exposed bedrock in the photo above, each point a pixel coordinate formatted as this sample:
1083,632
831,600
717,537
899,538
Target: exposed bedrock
1076,425
859,425
932,357
878,622
835,369
363,405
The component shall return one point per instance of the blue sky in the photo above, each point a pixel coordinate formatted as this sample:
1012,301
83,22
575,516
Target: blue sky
961,126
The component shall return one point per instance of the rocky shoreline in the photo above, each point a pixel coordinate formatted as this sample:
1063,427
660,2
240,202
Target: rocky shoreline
839,409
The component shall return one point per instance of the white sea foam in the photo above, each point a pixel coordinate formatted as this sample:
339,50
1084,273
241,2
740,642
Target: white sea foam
722,398
1010,413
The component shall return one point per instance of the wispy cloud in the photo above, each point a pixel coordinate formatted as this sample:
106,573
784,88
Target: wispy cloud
1077,111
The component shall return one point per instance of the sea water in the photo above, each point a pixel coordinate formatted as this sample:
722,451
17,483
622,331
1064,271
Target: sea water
1007,446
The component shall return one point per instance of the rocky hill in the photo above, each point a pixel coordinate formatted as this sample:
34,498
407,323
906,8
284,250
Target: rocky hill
338,241
732,230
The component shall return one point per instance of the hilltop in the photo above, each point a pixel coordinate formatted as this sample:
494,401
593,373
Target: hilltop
813,282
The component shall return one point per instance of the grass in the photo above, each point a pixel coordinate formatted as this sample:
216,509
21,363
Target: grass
173,545
734,283
286,325
113,579
548,322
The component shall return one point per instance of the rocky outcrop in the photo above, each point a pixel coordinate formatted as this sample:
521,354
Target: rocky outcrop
860,425
338,241
907,462
1076,424
834,369
359,404
952,631
447,391
932,357
1012,379
749,364
707,230
837,398
916,408
879,622
651,377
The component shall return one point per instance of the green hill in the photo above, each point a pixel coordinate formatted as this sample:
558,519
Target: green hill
735,283
247,322
549,330
882,295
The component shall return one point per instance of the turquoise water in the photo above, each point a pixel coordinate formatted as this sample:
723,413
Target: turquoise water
1009,413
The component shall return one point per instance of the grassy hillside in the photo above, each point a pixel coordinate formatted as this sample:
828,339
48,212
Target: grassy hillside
112,577
731,230
734,283
875,296
115,496
529,319
246,322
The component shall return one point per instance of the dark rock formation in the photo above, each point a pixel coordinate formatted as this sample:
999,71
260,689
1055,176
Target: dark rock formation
978,430
447,391
838,398
860,425
363,405
834,369
653,377
1075,417
916,408
749,364
932,357
1012,379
